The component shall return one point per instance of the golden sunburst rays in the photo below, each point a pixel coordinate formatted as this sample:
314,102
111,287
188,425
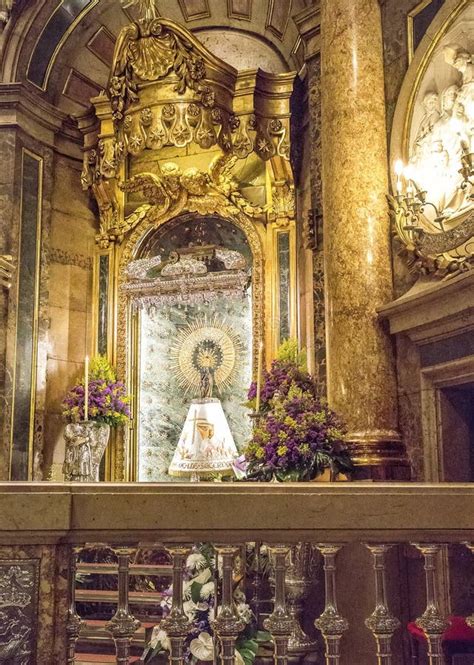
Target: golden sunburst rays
206,344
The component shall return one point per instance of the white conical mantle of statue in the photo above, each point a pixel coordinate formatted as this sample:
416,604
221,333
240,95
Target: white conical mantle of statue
206,445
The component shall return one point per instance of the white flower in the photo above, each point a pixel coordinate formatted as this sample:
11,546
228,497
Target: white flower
187,589
238,660
202,647
159,635
244,612
166,603
207,590
190,608
196,561
203,577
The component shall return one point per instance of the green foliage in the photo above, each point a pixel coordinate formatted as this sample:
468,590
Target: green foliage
288,351
100,368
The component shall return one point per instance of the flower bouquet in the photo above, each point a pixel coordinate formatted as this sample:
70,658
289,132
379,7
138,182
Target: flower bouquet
297,436
107,398
199,602
91,408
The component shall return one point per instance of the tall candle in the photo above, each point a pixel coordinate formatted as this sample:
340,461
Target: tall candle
259,376
86,389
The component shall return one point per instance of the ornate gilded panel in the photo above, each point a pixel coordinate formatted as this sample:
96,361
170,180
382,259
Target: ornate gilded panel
18,610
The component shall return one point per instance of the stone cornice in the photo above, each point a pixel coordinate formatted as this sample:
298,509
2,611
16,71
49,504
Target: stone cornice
33,512
434,310
308,23
20,107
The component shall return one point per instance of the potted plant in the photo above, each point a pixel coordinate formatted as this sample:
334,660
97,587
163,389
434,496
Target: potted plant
297,436
94,405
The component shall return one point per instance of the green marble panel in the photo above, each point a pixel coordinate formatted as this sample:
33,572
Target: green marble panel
284,283
27,312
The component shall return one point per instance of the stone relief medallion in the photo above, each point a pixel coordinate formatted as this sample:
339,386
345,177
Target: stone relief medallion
206,350
435,192
18,610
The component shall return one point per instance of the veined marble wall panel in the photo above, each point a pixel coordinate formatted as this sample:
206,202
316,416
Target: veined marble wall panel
26,347
163,404
314,85
69,301
7,150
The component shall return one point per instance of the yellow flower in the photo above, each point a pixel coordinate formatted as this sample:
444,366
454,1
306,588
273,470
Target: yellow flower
304,448
259,453
289,421
282,450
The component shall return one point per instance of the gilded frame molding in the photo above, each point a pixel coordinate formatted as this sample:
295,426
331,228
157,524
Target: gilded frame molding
126,347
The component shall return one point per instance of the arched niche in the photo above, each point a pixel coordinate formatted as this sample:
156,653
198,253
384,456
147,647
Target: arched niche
165,335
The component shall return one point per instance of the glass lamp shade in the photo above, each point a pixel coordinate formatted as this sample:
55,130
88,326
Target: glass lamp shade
206,445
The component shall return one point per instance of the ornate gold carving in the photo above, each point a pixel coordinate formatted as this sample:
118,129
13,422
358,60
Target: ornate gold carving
445,253
196,191
149,50
283,204
111,227
202,90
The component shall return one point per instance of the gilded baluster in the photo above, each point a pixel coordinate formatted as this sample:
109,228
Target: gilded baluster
227,624
299,582
331,624
432,622
381,622
470,619
176,623
123,624
74,622
280,623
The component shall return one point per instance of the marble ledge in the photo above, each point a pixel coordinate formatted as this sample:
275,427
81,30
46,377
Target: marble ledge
51,513
432,310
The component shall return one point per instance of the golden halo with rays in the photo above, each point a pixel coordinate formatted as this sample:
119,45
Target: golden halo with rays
205,343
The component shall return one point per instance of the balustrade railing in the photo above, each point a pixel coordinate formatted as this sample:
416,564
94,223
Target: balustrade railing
293,534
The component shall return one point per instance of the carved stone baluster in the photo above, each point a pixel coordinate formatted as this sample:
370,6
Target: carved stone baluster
176,623
280,623
381,622
123,624
299,582
470,619
432,622
74,622
331,624
227,624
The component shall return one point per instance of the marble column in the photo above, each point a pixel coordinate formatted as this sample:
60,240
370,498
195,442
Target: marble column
361,371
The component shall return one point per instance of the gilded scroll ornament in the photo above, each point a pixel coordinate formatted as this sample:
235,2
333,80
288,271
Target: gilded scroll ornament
150,50
444,253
